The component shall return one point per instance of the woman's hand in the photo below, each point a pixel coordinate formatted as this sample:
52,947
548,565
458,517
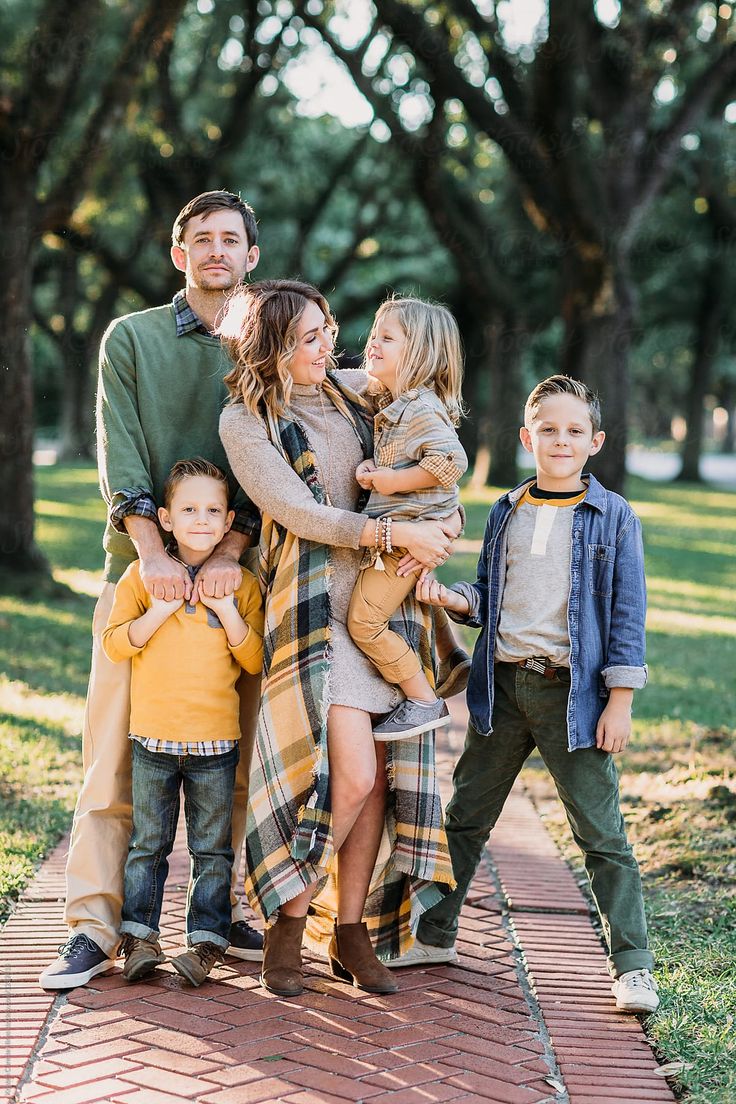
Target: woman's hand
362,473
428,544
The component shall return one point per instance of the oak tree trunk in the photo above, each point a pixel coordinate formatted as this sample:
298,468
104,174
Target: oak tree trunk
18,550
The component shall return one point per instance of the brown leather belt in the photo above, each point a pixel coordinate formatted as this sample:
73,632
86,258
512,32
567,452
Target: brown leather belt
541,666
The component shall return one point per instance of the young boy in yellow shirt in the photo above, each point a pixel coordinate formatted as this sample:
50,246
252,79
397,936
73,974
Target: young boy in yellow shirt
186,659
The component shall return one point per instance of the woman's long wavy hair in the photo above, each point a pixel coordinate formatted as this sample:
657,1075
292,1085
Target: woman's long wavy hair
432,355
259,331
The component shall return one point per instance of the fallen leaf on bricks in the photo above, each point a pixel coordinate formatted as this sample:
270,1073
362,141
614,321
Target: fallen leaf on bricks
556,1085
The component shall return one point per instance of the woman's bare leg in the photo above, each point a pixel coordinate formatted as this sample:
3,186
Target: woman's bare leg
356,860
358,791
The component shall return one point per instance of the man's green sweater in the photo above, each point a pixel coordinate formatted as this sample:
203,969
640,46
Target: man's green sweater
158,401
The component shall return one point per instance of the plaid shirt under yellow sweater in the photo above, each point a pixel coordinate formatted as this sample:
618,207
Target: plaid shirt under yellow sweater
289,830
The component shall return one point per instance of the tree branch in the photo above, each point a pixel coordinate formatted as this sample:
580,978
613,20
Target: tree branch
510,132
147,38
499,62
312,211
58,49
665,144
120,269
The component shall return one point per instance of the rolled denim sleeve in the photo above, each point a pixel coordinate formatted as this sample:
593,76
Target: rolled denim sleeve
625,664
471,595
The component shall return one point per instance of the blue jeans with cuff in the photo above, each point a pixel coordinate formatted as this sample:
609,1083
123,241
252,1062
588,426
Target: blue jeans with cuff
207,781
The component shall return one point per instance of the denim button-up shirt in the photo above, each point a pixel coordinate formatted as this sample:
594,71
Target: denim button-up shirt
605,611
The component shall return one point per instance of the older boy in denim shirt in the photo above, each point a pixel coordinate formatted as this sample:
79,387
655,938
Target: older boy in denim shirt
560,597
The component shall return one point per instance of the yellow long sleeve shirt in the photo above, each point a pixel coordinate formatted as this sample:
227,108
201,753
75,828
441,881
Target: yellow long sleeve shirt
183,679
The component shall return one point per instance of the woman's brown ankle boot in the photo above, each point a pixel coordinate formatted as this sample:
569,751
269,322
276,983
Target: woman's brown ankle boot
281,971
352,958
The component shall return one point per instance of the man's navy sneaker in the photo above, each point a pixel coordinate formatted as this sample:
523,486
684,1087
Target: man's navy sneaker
80,959
245,942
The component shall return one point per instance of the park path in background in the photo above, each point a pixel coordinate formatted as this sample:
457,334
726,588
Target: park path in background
527,1016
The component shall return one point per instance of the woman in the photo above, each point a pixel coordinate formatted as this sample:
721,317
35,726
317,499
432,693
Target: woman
319,793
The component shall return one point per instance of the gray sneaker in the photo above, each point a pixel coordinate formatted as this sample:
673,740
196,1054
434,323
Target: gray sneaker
423,954
409,719
453,674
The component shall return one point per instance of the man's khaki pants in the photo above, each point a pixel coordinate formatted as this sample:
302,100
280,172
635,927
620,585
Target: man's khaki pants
102,819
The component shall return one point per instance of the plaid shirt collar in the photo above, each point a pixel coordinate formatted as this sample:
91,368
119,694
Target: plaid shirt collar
186,320
392,410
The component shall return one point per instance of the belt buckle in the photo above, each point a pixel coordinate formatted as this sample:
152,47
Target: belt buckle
534,664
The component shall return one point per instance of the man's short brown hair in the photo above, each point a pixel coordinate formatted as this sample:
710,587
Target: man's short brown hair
185,469
563,385
207,202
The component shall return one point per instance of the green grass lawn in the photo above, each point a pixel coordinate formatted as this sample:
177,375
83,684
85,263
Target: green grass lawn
678,776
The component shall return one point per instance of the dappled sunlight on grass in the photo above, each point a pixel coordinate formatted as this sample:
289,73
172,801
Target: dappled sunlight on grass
83,582
48,647
675,620
61,711
688,595
76,542
70,517
40,772
77,511
690,677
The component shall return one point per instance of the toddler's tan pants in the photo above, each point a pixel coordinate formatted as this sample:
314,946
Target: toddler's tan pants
376,598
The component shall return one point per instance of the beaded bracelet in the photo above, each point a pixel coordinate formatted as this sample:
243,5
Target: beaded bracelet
387,545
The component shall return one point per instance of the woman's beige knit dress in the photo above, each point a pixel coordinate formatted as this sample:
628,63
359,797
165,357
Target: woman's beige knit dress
275,488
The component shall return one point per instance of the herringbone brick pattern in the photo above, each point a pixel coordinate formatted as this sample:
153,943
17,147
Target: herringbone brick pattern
525,1018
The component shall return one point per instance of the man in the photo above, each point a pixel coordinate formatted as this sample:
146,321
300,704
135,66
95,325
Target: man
159,398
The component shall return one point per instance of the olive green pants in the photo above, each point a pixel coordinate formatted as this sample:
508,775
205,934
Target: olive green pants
530,711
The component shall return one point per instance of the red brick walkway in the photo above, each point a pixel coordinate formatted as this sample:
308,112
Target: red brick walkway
526,1018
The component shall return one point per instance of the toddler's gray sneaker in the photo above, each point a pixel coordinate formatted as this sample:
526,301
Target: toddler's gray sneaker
411,719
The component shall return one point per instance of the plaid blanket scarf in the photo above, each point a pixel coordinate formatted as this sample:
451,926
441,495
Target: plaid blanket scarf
288,837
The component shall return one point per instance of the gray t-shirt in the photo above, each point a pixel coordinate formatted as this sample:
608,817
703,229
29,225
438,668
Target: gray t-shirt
533,615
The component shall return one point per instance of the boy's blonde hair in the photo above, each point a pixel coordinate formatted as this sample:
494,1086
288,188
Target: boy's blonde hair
432,355
563,385
258,330
186,469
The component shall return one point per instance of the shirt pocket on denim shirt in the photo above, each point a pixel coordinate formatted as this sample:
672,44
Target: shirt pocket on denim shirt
601,558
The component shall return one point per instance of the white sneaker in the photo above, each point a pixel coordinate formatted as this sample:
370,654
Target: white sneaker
636,991
423,954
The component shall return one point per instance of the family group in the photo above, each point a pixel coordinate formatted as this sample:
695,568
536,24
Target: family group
271,643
